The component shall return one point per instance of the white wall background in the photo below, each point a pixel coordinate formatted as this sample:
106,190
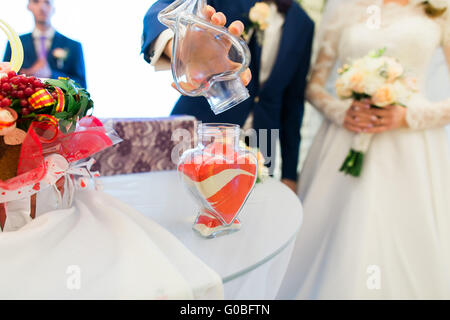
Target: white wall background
121,83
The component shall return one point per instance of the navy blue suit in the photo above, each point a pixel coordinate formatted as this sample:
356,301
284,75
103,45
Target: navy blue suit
279,103
73,66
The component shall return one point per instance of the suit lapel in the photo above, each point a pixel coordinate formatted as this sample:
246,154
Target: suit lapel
256,51
30,55
56,43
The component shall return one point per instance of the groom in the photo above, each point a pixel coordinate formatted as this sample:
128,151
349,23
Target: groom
47,53
277,101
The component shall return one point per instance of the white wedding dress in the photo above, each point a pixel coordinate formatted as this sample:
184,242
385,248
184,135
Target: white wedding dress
386,234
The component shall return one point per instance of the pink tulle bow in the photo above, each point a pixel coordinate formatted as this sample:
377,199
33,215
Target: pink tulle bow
89,138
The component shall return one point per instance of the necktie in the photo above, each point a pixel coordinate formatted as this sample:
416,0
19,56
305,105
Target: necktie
43,48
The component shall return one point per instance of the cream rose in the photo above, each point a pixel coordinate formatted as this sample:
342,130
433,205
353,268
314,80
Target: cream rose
372,83
393,70
384,96
357,82
343,90
259,14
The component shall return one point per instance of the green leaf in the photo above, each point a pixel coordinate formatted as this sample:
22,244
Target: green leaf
73,90
71,104
353,163
83,106
63,115
29,116
58,83
15,103
377,53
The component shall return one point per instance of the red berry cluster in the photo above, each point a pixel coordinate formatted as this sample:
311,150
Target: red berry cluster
18,87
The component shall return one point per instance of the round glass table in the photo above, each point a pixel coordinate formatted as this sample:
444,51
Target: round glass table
252,261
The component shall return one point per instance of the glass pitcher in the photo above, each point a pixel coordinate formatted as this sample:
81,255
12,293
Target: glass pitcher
207,60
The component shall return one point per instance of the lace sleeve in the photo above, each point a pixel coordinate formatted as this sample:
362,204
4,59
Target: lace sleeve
427,115
331,107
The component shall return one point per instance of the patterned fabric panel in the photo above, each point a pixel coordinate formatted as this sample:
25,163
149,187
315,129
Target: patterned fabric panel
148,145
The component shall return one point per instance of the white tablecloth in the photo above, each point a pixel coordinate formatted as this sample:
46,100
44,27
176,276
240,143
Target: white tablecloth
100,249
252,261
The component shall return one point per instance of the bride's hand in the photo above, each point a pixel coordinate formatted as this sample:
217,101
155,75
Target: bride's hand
388,118
358,117
362,118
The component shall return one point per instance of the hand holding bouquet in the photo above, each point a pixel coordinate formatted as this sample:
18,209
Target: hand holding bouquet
380,82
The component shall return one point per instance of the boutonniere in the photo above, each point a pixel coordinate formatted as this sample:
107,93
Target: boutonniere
60,55
259,21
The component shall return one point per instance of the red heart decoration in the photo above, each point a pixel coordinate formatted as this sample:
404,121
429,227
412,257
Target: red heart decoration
222,179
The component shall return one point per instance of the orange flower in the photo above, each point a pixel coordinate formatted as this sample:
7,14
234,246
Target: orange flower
384,96
342,90
357,82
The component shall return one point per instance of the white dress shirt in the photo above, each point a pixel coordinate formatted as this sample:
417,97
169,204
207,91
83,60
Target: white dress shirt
49,34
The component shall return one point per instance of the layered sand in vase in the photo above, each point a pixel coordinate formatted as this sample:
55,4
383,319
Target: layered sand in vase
223,181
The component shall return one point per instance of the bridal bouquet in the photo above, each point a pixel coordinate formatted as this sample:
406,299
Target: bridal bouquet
381,79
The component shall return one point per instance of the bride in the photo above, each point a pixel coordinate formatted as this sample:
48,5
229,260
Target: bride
385,234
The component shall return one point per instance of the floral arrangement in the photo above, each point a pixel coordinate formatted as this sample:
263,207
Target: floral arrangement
381,79
61,100
57,105
44,131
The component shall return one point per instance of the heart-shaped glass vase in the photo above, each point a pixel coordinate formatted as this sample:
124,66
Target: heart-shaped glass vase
220,176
